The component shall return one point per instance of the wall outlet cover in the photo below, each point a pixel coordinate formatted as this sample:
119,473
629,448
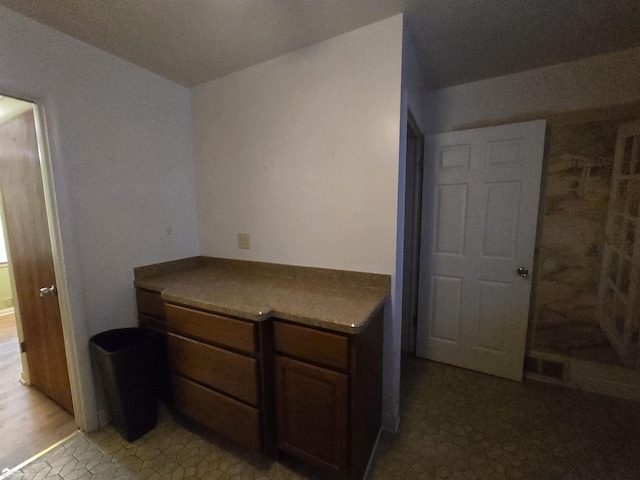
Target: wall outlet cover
244,241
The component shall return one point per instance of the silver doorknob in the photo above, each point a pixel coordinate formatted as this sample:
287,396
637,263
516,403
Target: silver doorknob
48,291
523,272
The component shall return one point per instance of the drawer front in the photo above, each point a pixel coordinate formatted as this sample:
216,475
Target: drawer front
224,415
221,369
315,346
209,327
150,303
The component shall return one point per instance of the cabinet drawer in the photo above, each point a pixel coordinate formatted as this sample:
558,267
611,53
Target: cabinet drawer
150,303
218,412
221,369
312,345
209,327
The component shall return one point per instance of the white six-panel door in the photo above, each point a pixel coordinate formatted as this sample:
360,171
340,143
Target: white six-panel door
480,206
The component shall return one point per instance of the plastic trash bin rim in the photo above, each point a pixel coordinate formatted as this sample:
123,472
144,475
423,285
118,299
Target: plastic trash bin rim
121,339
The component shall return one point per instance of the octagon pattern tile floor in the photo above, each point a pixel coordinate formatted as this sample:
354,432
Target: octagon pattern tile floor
456,424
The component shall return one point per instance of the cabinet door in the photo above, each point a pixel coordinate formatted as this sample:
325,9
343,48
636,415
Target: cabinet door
312,410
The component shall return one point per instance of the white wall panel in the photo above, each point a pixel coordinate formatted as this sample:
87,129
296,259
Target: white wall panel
301,152
122,165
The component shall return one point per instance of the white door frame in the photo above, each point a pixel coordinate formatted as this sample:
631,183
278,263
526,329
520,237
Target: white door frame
412,233
62,285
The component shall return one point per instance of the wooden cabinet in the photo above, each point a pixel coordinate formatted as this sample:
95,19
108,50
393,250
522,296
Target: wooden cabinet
220,369
312,412
312,393
217,373
212,328
151,316
151,310
218,412
328,395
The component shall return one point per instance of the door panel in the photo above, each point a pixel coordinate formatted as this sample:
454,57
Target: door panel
446,300
481,199
451,219
491,326
501,224
31,257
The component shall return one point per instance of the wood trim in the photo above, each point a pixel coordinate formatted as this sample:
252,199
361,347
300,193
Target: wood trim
267,386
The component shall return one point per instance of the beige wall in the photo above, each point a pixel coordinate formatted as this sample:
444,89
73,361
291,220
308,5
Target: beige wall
302,152
592,83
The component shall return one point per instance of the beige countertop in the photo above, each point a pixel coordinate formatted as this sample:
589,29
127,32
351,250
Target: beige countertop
333,299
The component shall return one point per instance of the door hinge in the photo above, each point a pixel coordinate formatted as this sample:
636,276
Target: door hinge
23,347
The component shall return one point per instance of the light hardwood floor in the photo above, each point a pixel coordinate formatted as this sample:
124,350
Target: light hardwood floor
29,421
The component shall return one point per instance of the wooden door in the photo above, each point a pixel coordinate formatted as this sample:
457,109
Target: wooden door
482,189
31,257
312,406
619,290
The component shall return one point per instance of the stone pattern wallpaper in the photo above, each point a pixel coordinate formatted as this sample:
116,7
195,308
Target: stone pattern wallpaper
580,178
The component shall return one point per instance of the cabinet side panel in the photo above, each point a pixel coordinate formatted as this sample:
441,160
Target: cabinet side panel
150,303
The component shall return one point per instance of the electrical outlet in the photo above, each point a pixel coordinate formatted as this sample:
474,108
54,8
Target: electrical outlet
8,302
244,241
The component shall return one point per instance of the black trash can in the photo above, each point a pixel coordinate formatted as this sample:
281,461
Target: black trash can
129,361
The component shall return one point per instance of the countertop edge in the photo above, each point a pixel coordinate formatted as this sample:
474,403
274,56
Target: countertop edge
159,278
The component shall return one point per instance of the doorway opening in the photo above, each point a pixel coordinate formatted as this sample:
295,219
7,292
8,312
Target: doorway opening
586,304
36,409
412,234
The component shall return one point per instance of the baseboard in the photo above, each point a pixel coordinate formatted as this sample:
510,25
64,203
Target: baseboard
606,379
7,311
372,455
390,422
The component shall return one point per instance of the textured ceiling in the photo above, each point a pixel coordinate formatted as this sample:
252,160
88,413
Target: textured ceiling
193,41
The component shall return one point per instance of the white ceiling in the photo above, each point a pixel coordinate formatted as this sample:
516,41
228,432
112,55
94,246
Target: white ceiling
193,41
